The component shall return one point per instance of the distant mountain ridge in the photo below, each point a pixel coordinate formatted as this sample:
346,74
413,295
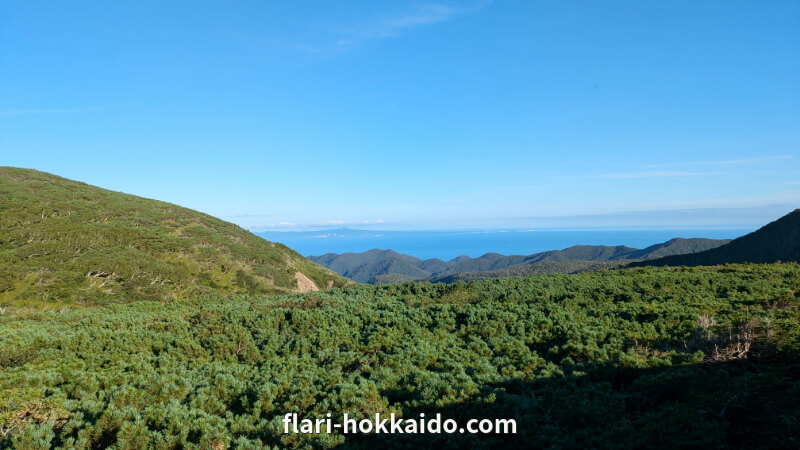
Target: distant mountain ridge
776,241
387,266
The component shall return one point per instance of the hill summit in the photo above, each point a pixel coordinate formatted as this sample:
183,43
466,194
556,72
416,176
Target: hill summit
775,241
63,241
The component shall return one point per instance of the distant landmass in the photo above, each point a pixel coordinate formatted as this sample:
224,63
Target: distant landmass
66,242
452,243
776,241
387,266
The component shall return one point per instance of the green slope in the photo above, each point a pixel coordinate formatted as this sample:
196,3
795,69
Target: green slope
66,242
776,241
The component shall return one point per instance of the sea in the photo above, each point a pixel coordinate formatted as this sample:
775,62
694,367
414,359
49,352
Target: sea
450,244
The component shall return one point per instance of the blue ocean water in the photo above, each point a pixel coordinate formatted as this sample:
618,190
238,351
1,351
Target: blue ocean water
447,245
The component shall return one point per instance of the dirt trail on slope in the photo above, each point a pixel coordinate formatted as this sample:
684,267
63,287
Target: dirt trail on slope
304,284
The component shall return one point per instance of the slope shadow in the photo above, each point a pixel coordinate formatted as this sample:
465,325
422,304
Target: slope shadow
740,403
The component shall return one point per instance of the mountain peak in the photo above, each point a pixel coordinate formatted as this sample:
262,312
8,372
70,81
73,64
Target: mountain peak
776,241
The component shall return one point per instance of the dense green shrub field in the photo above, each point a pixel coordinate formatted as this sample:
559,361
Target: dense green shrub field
702,357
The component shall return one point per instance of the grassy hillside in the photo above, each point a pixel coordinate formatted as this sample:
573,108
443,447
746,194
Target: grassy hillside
65,242
776,241
677,246
702,357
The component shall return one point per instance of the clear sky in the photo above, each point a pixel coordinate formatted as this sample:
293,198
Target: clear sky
413,114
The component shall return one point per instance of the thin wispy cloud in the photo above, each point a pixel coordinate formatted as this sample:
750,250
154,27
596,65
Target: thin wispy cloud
37,112
723,162
396,25
720,213
772,198
671,169
315,39
655,174
273,226
293,226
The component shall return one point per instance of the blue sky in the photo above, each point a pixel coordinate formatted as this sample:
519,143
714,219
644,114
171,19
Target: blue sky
285,115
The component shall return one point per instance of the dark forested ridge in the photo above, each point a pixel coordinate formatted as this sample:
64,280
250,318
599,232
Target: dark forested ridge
387,266
65,242
776,241
569,266
702,357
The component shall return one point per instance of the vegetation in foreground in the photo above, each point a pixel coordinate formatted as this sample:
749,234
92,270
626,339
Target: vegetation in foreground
702,357
63,242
